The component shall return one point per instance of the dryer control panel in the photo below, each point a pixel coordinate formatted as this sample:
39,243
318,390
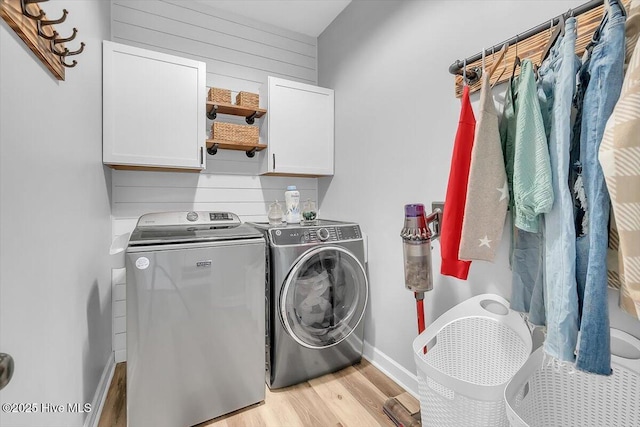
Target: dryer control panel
305,235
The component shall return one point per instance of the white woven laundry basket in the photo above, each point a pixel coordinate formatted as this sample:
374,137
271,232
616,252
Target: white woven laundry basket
548,394
473,350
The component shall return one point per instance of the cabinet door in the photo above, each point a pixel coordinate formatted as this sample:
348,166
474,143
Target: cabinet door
153,109
300,128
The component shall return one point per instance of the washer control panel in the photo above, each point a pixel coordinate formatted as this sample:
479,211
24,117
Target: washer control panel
208,218
307,235
322,234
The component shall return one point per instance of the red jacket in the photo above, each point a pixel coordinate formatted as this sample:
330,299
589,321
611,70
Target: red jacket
457,193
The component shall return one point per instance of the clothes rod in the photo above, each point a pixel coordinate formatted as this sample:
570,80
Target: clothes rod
456,67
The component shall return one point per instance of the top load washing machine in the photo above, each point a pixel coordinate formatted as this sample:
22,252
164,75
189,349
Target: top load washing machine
317,292
195,318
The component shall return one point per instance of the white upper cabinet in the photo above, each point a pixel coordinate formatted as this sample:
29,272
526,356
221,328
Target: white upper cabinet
154,109
298,128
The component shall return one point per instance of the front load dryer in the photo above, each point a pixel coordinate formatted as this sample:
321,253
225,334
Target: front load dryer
317,292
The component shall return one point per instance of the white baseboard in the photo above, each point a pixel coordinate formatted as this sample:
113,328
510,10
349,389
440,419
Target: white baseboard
101,393
120,356
405,379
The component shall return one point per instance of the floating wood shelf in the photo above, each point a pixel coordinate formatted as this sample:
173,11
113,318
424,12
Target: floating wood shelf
249,113
250,149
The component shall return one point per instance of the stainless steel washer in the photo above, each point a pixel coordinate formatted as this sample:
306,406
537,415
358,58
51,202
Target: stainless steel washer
317,292
195,318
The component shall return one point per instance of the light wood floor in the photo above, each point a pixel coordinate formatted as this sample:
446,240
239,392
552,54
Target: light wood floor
351,397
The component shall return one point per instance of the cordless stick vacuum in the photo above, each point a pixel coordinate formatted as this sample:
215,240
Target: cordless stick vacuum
418,277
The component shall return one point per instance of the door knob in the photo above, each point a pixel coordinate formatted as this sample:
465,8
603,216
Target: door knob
6,369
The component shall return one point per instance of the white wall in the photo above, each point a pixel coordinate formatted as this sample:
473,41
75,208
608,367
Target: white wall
55,304
240,53
396,118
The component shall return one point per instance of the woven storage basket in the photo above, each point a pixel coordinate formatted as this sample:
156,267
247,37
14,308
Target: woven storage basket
220,95
473,350
241,134
546,393
248,99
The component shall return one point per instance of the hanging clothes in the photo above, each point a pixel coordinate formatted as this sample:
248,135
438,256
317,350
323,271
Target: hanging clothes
614,260
557,81
619,157
456,195
532,189
605,65
527,255
488,192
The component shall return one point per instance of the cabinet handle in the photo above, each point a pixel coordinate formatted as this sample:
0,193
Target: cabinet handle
201,156
274,161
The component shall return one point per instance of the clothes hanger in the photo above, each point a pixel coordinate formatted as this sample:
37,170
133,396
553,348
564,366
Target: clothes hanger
504,70
516,60
559,30
495,63
464,72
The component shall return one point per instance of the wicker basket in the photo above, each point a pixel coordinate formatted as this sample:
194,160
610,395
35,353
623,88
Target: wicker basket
241,134
220,95
248,99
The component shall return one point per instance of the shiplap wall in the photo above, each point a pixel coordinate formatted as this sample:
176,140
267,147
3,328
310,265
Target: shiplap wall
240,53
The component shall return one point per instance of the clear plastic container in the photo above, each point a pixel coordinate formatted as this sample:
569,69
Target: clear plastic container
416,238
309,213
292,204
275,214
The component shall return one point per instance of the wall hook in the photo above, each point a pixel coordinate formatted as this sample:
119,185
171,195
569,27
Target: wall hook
68,39
44,35
75,52
73,64
25,12
56,21
66,52
55,51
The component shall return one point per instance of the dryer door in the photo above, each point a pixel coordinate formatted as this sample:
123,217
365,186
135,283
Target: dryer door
324,297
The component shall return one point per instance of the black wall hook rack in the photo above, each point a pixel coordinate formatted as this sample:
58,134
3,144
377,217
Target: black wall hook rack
38,28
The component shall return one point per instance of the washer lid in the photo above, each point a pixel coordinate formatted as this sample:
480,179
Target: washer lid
184,227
